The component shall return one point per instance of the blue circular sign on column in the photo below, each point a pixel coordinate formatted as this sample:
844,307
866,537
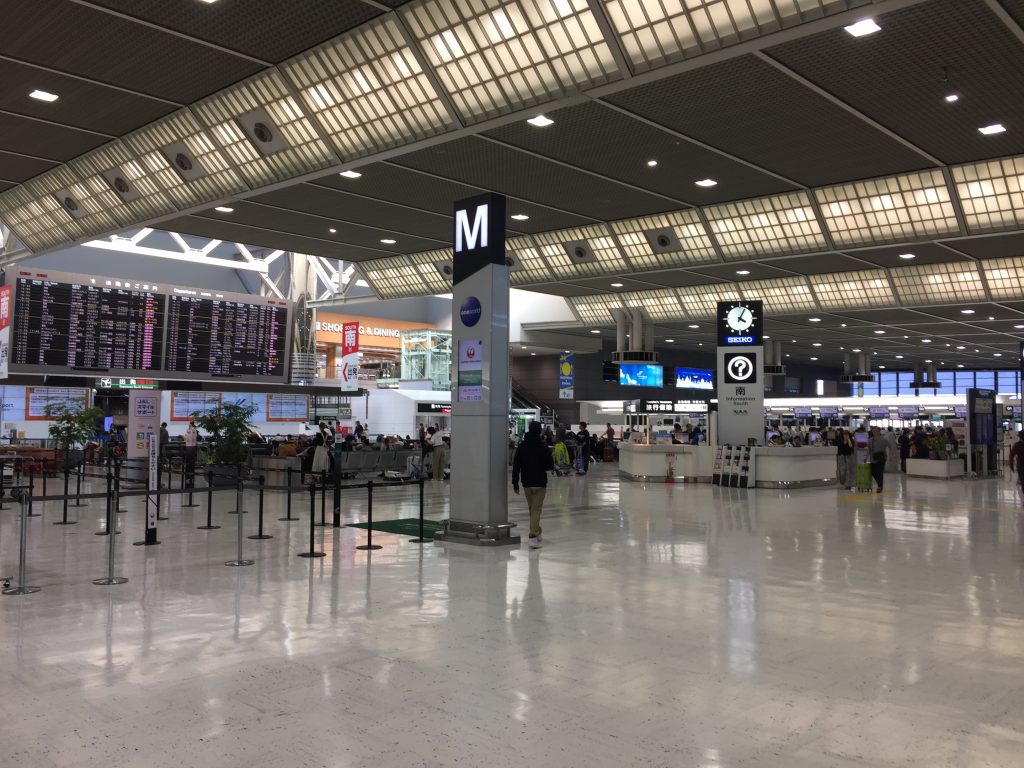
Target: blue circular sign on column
470,311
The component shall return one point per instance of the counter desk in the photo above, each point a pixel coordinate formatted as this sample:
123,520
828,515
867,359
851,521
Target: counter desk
788,467
683,463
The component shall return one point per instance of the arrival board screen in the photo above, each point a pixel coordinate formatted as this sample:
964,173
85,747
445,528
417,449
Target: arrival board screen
641,375
79,322
695,378
222,336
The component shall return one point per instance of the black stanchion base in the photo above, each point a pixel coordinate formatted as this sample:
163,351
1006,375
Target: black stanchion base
288,519
369,546
144,543
106,533
260,536
35,514
240,562
312,554
420,541
162,518
66,522
21,590
186,506
107,582
207,527
322,525
122,511
235,512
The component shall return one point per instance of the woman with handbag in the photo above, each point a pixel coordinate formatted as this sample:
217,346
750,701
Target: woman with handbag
878,448
321,459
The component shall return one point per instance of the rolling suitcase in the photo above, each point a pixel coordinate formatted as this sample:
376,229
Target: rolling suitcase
863,477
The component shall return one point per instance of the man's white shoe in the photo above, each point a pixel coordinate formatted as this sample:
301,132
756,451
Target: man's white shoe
534,542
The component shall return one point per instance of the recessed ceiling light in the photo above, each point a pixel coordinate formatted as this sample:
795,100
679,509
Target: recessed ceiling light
842,325
742,271
787,354
333,231
540,121
652,163
961,347
534,354
991,130
977,350
350,174
388,241
991,318
670,341
856,350
766,336
594,330
814,358
519,217
881,367
694,326
927,361
224,209
926,341
952,98
816,344
814,319
43,96
997,354
960,365
880,332
863,27
706,183
899,357
522,347
966,311
1018,326
908,256
948,345
208,2
616,285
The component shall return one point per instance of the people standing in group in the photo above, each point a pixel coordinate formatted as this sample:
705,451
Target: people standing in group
438,452
530,466
846,459
583,448
878,448
905,444
1017,458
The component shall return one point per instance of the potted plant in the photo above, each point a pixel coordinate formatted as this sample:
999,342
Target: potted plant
72,426
228,441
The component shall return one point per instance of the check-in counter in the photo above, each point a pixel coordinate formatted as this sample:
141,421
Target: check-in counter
940,468
788,467
683,463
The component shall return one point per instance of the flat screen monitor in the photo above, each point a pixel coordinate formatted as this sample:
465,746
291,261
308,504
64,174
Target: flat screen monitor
860,439
828,411
908,412
695,378
641,375
802,413
960,411
878,413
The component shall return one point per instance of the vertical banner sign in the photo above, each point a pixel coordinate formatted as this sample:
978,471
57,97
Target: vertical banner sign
480,317
1020,389
143,421
565,376
152,486
5,329
740,372
350,357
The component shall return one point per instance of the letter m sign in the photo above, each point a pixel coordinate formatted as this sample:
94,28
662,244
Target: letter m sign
469,237
479,236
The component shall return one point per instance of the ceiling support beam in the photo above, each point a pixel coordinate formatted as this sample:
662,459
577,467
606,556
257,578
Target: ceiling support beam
200,256
1001,13
247,256
605,25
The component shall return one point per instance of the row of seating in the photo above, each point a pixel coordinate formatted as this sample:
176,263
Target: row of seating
374,462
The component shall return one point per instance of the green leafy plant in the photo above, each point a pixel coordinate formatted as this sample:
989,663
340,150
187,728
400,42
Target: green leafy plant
73,424
228,431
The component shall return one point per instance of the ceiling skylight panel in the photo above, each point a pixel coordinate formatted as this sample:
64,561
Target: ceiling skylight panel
572,253
1005,278
779,224
202,172
595,310
938,284
991,194
122,181
368,91
658,305
37,218
665,240
394,277
494,56
264,132
852,290
781,295
531,265
701,301
426,266
893,209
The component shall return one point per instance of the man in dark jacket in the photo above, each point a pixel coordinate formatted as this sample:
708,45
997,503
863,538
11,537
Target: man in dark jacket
531,464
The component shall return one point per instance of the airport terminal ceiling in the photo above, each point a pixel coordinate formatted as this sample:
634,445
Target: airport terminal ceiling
869,188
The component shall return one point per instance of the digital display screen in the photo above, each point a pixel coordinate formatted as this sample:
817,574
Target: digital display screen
287,407
828,411
640,375
224,337
960,411
70,322
695,378
802,413
878,413
908,412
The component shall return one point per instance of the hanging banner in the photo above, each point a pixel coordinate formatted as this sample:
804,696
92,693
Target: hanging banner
143,421
350,358
5,329
565,376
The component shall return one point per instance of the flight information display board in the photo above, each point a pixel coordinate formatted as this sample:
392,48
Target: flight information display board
185,404
225,335
40,400
72,321
287,407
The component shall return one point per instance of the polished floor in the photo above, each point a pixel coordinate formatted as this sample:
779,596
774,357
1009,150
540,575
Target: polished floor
662,625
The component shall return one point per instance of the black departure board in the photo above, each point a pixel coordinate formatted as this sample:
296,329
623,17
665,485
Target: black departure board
226,337
94,323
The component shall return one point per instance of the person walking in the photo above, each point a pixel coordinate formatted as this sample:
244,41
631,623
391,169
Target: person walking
846,463
583,443
878,448
1017,458
905,444
531,464
438,453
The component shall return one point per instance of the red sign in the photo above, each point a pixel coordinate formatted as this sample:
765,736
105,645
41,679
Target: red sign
350,356
350,339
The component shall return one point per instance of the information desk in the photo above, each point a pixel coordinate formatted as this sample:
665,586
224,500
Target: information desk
802,467
943,468
689,463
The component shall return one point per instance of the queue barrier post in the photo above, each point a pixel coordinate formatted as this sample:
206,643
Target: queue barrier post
420,540
369,545
189,468
32,490
22,588
110,578
261,534
67,479
323,500
288,514
79,472
337,495
312,526
239,486
209,504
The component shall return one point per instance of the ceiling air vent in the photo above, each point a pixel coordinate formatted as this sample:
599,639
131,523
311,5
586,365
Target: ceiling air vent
445,268
70,205
580,252
125,191
513,264
264,134
663,241
183,161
